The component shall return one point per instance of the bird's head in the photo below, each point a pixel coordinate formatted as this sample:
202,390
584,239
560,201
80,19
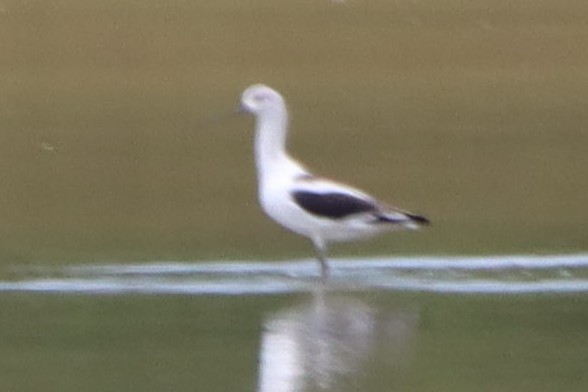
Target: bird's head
259,98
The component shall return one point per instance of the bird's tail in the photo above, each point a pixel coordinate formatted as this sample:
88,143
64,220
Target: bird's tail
418,219
403,218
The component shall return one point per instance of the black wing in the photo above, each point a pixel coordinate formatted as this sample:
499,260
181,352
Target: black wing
332,205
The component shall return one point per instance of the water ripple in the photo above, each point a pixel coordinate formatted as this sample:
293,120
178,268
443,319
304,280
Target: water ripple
490,275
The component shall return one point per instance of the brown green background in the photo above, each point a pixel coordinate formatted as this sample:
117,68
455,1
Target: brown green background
471,112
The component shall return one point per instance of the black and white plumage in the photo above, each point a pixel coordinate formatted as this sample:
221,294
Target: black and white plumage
320,209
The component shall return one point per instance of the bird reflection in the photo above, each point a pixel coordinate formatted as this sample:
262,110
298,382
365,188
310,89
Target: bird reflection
324,345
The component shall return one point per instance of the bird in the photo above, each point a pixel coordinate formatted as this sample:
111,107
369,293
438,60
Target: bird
320,209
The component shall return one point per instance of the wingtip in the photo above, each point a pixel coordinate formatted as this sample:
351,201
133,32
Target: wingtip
408,220
419,219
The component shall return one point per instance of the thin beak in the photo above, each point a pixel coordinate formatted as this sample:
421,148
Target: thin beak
221,117
238,111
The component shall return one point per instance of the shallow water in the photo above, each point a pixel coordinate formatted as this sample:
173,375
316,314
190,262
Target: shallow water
439,324
410,324
474,275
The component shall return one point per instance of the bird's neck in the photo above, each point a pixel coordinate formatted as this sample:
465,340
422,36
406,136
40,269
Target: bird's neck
270,141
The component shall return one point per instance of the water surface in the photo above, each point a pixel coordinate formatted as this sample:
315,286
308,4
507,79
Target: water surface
474,275
438,324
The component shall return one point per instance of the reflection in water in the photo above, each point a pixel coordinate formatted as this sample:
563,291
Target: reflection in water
323,345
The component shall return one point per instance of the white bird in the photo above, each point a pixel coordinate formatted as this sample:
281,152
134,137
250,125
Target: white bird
322,210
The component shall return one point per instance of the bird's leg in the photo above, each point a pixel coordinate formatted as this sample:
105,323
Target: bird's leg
320,249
